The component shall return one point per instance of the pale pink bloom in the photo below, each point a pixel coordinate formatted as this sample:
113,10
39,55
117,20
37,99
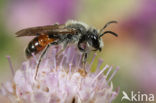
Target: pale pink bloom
60,81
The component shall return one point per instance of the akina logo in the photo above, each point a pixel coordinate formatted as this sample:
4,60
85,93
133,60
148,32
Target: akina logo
137,96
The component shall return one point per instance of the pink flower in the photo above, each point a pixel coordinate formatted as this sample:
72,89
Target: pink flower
60,80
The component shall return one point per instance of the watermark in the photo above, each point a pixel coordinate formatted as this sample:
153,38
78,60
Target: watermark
137,97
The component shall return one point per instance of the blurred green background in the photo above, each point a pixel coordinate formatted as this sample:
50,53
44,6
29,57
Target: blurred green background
134,51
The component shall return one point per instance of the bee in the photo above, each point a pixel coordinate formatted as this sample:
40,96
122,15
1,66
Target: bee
86,38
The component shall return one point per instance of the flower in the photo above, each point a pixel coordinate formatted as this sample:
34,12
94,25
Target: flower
61,80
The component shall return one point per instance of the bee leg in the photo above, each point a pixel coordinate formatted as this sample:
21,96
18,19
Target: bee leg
84,59
42,54
40,58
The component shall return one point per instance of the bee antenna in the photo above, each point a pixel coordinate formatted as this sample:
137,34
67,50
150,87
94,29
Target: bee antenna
107,24
110,32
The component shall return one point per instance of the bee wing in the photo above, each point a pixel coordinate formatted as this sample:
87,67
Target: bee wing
35,31
60,31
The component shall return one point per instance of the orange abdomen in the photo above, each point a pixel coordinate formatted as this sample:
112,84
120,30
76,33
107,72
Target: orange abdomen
38,44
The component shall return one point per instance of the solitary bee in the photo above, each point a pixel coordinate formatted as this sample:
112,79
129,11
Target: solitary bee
86,38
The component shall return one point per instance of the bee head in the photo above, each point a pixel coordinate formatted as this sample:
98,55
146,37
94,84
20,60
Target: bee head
89,41
94,40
